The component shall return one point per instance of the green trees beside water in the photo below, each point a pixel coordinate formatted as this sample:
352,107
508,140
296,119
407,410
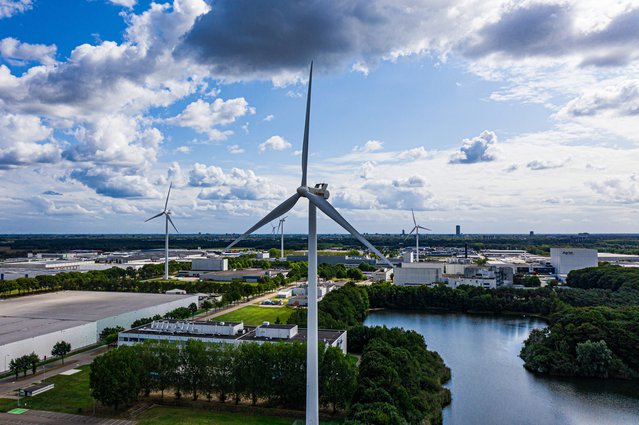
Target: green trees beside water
400,381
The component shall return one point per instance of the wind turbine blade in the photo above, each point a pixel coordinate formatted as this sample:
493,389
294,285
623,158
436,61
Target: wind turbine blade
414,221
306,124
425,228
278,211
328,209
279,226
166,204
411,232
171,221
155,216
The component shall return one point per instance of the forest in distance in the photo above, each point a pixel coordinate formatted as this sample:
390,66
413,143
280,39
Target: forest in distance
21,245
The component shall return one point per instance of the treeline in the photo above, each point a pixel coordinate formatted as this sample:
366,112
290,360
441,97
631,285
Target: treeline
604,277
589,341
596,332
400,381
119,280
274,374
463,299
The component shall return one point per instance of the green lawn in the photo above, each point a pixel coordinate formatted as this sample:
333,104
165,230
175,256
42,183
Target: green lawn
70,395
254,315
185,416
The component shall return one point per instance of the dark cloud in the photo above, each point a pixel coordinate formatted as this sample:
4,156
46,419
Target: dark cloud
247,38
110,183
51,193
549,30
537,29
477,149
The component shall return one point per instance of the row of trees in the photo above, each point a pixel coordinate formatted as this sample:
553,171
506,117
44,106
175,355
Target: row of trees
464,298
271,373
116,279
30,361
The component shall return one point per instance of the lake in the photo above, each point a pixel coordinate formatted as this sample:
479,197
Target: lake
489,384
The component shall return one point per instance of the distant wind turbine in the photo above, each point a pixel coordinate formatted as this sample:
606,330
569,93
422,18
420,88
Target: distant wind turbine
416,230
167,219
317,198
280,227
274,230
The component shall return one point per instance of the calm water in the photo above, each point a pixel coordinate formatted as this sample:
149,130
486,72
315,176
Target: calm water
489,385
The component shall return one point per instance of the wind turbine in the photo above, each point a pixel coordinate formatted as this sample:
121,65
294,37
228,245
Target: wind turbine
167,219
274,230
416,230
317,198
280,227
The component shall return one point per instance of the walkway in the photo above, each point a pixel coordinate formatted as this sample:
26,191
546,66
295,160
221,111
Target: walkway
52,418
8,386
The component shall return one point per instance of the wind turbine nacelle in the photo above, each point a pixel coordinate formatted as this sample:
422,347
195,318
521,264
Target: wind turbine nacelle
320,189
168,212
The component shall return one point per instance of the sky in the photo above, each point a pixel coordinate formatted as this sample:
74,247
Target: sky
500,116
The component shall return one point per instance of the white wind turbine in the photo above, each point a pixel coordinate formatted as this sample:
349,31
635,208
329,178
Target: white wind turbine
274,230
280,227
167,219
317,198
416,230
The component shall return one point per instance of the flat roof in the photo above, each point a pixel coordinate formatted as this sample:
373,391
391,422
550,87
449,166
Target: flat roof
249,334
33,315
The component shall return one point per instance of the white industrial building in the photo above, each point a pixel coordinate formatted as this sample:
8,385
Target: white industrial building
209,264
35,323
564,260
411,274
226,332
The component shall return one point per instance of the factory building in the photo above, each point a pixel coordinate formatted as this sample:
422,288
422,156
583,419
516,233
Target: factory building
209,264
564,260
35,323
415,274
226,333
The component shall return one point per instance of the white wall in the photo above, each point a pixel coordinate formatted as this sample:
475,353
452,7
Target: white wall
78,336
567,259
416,275
125,319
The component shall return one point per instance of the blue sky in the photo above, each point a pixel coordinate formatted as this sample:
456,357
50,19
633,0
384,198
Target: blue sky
500,116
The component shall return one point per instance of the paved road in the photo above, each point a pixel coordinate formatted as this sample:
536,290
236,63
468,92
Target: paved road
8,386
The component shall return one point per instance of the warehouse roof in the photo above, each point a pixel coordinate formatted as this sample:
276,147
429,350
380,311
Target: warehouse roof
34,315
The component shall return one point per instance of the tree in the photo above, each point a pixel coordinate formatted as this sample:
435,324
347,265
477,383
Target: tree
61,349
207,305
193,308
33,360
110,335
594,358
114,378
338,378
15,367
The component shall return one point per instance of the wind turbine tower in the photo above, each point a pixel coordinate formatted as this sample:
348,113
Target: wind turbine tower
167,219
281,229
416,230
317,198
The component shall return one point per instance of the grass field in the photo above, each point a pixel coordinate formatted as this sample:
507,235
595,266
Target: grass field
254,315
70,395
183,416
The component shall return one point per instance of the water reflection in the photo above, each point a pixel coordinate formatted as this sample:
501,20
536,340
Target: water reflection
490,386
